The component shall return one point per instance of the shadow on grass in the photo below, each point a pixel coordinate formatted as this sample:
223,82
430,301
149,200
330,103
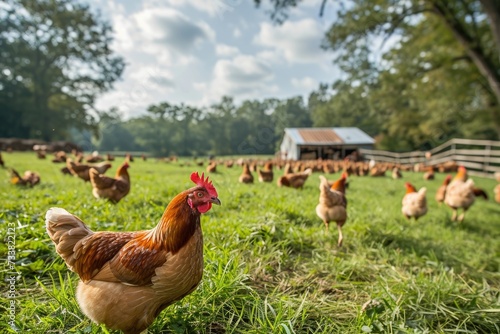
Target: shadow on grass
420,247
480,228
300,219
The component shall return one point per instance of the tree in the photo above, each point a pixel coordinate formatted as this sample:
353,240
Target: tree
257,127
288,113
114,135
56,60
219,127
473,24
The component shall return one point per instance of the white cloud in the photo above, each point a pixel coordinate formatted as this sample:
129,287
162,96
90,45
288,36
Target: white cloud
306,83
211,7
244,76
226,50
298,41
270,56
142,86
168,34
153,76
172,29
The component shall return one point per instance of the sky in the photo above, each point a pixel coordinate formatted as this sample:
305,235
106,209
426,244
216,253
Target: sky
196,51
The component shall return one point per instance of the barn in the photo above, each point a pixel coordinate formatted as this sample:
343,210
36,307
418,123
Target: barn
325,143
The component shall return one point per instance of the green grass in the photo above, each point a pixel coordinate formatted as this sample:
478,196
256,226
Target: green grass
269,265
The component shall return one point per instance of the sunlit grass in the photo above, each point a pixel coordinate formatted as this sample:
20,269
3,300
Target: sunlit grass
269,265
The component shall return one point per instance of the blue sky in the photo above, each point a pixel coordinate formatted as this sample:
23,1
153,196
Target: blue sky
196,51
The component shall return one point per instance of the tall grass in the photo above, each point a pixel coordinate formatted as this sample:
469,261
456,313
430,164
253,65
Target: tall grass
269,265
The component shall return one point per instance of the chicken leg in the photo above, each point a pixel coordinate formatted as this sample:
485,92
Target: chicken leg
454,215
462,216
339,228
326,225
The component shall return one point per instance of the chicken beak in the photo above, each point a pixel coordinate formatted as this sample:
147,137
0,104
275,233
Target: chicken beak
215,200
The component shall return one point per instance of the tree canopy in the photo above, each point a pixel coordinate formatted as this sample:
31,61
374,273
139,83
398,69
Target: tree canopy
438,75
56,59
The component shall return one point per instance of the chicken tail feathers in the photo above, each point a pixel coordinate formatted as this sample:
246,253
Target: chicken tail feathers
99,181
478,192
15,178
65,230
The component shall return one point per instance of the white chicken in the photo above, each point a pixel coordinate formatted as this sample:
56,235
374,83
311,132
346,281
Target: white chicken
414,203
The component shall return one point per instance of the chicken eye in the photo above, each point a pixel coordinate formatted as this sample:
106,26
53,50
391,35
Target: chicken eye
199,194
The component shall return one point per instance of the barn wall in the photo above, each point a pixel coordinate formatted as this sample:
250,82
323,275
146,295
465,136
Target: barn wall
289,149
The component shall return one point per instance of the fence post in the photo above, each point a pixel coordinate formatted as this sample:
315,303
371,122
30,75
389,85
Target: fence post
487,156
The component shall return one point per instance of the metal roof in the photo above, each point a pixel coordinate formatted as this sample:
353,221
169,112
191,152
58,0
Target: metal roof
329,136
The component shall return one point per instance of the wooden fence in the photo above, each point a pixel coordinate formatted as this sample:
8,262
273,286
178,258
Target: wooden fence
480,157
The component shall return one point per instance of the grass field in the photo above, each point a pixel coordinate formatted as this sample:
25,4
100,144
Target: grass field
269,265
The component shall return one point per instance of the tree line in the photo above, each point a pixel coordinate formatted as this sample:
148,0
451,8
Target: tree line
439,80
224,128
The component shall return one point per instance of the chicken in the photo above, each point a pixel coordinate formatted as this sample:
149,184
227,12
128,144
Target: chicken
266,174
29,178
82,171
66,171
212,167
288,169
114,189
128,278
396,173
460,194
429,174
332,203
2,163
246,176
377,171
110,157
478,192
346,182
78,157
497,193
94,157
414,203
441,192
294,180
41,155
59,157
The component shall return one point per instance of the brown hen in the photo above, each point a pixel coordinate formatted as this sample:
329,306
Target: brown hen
114,189
128,278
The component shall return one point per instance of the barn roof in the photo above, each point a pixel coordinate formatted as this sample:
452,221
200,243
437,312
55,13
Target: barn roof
329,136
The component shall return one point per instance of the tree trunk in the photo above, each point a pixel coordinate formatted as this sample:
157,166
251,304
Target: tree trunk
492,10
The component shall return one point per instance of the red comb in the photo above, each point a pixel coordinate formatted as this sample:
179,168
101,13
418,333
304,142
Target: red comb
202,182
410,188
